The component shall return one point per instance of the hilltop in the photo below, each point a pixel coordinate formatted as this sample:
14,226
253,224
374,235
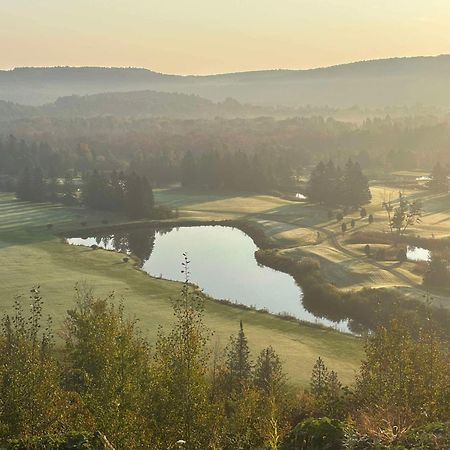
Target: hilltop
385,82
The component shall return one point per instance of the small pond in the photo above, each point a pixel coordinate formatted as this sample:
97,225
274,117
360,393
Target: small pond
222,264
417,253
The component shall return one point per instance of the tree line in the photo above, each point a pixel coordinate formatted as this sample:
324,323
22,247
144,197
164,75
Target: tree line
108,381
129,194
236,171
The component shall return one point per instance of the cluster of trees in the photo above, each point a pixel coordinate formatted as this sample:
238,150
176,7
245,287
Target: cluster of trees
31,185
332,185
131,194
438,273
17,154
236,171
107,378
157,147
382,144
440,178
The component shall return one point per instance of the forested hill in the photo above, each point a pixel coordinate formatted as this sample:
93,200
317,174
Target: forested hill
131,104
396,81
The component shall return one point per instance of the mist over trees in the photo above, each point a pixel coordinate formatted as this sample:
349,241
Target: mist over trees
377,83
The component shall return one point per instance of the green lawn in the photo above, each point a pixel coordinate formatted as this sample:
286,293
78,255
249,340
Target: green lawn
31,254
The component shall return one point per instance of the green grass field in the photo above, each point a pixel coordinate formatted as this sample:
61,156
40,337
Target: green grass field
31,254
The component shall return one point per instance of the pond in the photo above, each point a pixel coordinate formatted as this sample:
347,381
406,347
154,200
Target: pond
417,253
222,265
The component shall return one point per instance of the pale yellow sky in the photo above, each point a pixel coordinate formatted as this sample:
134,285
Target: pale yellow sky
211,36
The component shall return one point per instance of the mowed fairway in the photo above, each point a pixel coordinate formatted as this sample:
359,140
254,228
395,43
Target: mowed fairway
304,229
31,254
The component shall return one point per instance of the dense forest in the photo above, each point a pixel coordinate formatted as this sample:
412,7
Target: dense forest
280,151
105,384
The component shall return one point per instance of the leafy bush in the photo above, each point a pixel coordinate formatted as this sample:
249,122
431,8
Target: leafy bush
433,436
316,434
73,441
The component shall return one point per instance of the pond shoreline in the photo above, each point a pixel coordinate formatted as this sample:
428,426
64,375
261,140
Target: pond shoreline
251,230
320,297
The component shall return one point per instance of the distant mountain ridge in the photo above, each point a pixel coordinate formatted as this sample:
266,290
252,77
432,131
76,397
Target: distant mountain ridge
376,83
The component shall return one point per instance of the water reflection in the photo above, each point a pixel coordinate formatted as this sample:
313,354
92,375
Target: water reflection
223,265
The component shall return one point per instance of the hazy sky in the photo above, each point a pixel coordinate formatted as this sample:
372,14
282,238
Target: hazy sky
210,36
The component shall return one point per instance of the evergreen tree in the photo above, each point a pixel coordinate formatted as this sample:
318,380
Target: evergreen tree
189,172
268,372
317,185
439,178
238,364
319,378
24,185
356,190
39,187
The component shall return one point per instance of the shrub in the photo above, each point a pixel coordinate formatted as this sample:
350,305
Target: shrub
432,436
339,217
125,259
315,434
401,255
69,200
162,212
73,441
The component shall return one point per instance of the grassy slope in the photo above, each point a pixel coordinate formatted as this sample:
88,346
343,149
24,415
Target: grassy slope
30,254
294,226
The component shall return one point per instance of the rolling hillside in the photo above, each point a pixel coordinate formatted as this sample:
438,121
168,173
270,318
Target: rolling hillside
396,81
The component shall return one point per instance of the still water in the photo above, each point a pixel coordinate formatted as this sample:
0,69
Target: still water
222,265
418,253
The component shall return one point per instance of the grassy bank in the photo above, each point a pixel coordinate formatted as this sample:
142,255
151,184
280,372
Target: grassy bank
30,253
